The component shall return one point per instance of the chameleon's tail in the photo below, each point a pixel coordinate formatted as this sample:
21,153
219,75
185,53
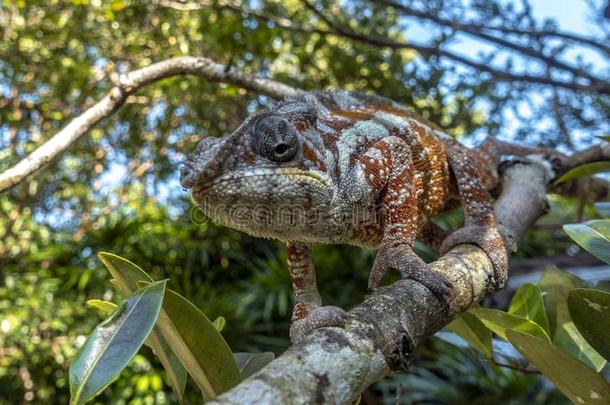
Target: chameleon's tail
489,154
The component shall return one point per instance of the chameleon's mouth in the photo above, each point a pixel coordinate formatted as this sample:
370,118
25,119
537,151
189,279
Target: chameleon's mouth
290,173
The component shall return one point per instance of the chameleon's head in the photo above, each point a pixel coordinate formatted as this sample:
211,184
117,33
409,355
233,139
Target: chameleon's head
268,177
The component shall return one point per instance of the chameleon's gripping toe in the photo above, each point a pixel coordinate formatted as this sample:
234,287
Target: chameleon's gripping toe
318,318
487,238
403,259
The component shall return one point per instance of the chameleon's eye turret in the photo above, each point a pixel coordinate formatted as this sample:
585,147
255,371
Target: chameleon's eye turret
276,139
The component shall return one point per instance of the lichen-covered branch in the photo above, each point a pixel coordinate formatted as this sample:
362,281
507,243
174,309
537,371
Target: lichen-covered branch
334,365
128,84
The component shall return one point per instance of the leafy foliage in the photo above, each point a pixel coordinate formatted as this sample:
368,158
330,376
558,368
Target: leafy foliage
114,342
577,381
563,349
589,309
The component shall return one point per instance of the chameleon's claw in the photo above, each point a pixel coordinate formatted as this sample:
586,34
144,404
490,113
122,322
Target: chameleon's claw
403,259
318,318
487,238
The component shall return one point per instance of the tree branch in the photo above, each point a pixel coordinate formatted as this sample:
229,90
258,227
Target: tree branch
595,85
334,365
598,85
128,84
478,32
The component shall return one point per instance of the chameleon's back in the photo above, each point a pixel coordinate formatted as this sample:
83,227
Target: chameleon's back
352,114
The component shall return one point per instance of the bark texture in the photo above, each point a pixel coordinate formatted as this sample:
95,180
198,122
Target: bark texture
334,365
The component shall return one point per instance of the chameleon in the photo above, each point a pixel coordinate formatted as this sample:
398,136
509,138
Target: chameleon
341,167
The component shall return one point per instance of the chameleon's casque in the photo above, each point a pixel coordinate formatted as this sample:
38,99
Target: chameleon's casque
341,167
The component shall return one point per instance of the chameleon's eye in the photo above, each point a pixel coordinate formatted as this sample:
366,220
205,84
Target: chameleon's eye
276,140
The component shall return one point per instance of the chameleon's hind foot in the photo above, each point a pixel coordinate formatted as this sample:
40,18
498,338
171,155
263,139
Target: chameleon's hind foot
403,259
319,317
487,238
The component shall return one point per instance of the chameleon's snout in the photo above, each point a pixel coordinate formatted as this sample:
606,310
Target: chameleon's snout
206,162
187,176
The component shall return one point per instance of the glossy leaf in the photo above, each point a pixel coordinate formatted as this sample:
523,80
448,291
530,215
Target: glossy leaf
114,342
126,276
587,169
124,273
573,378
199,346
219,323
472,330
592,236
250,363
102,305
527,303
603,285
590,311
498,322
556,285
569,338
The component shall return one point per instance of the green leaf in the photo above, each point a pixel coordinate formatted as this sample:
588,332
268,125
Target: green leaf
114,342
603,285
219,323
600,225
602,208
250,363
199,346
126,276
469,328
569,338
527,303
498,322
173,367
105,306
592,236
590,310
573,378
584,170
556,285
604,137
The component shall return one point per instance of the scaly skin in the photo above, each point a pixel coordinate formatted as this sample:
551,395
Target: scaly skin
346,168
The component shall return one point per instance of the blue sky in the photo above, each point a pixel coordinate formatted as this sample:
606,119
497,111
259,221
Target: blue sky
572,16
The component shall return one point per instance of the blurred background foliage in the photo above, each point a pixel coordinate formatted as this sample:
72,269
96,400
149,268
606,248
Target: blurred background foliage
116,189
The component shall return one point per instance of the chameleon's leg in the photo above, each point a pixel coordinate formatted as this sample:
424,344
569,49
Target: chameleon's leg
400,211
433,235
308,313
480,226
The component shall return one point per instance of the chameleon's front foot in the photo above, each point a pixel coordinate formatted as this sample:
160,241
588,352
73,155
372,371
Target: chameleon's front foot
319,317
487,238
403,259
